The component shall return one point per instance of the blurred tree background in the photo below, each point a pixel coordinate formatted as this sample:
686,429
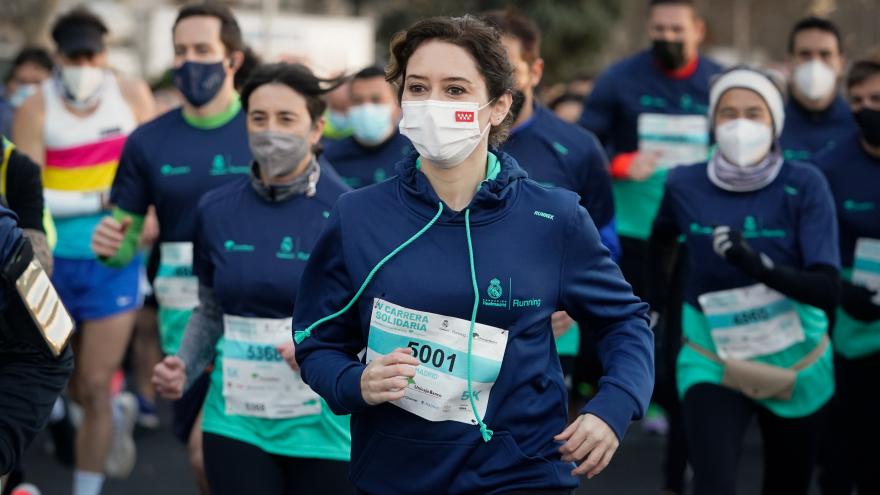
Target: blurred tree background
580,36
573,30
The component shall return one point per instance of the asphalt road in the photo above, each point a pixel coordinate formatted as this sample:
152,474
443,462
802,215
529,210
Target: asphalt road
162,468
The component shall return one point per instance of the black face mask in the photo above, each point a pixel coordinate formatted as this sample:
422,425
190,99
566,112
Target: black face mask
670,54
869,122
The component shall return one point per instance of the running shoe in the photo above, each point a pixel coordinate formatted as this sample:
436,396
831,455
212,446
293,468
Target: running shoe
123,454
148,415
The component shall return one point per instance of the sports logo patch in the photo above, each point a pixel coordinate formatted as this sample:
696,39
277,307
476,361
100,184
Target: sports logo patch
464,116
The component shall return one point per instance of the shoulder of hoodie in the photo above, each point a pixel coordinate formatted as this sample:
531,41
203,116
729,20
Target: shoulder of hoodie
532,196
802,176
538,200
578,142
330,188
341,149
158,131
628,66
837,159
708,65
794,174
636,66
688,175
225,193
166,124
160,123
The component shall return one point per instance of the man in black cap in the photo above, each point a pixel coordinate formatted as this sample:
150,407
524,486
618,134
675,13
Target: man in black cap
75,126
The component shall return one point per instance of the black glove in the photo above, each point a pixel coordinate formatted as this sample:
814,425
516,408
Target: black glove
858,302
732,246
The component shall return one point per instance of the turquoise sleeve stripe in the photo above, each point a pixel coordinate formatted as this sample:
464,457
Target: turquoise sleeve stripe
773,310
483,370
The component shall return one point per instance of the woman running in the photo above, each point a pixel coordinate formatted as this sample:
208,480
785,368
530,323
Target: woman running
447,275
762,256
265,431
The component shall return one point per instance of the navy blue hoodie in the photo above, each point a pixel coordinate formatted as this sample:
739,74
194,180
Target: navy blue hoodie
807,134
521,233
556,153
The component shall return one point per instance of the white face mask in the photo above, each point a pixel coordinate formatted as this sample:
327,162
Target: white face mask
82,82
443,132
744,142
815,80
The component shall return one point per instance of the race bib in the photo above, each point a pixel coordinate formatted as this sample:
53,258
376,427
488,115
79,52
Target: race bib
751,321
866,266
680,139
257,381
175,285
439,391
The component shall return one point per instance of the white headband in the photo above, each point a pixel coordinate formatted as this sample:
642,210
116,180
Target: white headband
754,81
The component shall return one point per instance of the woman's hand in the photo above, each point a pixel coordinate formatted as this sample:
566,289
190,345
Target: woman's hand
385,378
288,352
169,377
589,442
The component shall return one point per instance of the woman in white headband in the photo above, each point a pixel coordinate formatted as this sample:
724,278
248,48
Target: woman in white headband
762,262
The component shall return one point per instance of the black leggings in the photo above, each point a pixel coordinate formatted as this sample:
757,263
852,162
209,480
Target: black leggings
667,339
716,419
854,432
234,467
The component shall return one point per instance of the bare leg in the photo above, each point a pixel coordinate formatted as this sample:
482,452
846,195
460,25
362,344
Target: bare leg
146,350
102,347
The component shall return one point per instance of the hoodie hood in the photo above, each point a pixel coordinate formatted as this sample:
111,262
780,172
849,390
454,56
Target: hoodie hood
493,199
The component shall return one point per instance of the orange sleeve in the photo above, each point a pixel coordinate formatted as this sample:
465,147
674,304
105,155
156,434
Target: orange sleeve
621,163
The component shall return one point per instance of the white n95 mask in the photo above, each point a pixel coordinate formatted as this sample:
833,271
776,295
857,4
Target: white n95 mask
82,83
814,79
443,132
744,142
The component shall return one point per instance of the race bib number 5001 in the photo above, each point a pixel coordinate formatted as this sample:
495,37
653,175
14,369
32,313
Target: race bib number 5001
439,391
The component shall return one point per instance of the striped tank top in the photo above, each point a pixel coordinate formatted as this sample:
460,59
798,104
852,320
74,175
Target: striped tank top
82,154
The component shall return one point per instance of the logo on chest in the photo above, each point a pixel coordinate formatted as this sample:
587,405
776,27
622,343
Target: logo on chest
495,297
168,170
222,165
752,228
234,247
858,206
289,250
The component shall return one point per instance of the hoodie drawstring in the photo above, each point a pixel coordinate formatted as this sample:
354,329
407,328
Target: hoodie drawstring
301,335
484,430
